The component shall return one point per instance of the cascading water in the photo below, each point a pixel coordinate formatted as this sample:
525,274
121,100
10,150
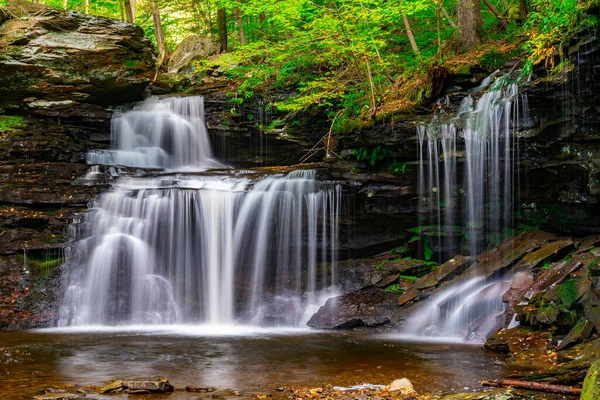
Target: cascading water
194,248
159,133
478,141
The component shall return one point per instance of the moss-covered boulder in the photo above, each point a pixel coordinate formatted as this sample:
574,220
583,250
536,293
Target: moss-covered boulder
591,384
51,56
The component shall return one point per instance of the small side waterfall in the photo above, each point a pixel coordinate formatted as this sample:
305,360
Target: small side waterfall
466,311
477,142
467,177
197,249
159,133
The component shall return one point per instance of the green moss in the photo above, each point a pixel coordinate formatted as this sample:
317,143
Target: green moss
394,289
409,277
568,293
591,384
44,268
10,123
132,63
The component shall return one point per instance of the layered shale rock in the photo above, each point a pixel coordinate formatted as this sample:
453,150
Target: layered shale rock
52,59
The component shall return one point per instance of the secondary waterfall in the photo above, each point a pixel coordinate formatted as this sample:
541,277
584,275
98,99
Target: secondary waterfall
159,133
197,248
467,169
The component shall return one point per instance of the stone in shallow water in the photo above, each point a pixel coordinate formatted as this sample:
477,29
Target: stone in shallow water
155,384
58,396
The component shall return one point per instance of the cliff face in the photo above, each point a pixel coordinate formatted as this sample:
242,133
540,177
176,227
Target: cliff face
58,70
53,60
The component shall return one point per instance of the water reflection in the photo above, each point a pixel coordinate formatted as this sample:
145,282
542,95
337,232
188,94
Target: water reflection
31,361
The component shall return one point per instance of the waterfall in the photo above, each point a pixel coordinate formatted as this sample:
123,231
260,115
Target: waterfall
466,177
197,248
159,133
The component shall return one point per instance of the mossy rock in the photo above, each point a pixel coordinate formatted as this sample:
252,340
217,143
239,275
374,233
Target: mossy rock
591,385
9,123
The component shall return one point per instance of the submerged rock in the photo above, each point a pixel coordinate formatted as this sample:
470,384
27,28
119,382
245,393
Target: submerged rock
59,396
140,385
54,58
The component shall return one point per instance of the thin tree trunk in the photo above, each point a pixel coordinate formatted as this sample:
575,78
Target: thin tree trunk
494,11
448,17
240,22
159,34
409,33
122,10
65,4
222,28
262,17
87,6
438,17
128,11
210,21
470,23
523,10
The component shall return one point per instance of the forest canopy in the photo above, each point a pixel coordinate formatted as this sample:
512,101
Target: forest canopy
355,59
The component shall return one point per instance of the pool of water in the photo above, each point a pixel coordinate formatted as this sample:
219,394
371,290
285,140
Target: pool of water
250,360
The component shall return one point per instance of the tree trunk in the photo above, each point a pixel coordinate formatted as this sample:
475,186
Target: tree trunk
65,4
122,10
128,11
158,33
87,6
409,33
470,23
240,22
495,12
262,17
438,18
523,10
222,28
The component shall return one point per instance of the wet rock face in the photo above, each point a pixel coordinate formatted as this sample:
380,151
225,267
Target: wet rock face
53,59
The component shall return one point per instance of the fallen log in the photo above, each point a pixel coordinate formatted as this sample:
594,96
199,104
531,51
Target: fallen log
536,386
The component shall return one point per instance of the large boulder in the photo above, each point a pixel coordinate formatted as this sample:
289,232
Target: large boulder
191,49
365,308
54,58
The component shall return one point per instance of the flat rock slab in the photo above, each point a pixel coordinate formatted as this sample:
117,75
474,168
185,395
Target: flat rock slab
59,396
510,251
141,385
441,274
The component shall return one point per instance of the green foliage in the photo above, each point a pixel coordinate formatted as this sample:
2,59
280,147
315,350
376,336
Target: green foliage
9,123
372,156
350,57
551,24
427,251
